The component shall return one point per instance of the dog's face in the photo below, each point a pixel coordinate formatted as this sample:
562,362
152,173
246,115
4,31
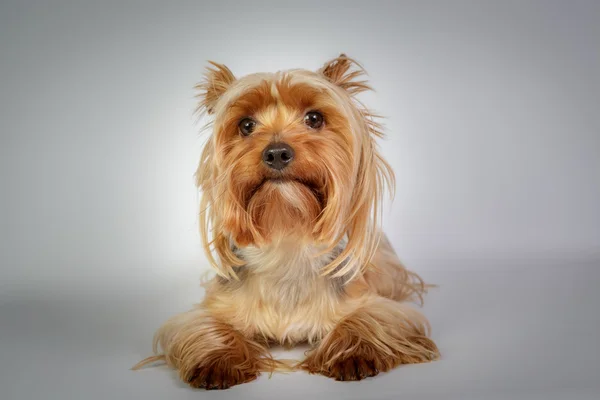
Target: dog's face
285,149
292,155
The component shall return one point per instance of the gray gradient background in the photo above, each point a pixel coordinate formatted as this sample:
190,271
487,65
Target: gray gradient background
494,132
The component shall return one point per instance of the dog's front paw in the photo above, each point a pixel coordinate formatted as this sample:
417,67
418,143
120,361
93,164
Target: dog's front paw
366,359
352,369
219,375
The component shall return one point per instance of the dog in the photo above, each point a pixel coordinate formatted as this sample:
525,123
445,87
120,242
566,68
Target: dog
292,183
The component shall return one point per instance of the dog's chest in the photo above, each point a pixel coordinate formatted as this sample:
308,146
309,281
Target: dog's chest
286,296
285,277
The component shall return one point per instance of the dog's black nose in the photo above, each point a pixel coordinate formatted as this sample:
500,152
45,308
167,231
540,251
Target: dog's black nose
278,155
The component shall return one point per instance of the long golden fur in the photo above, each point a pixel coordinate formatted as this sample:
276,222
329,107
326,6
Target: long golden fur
298,251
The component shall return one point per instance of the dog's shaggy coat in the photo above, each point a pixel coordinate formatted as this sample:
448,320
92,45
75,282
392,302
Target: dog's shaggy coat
298,252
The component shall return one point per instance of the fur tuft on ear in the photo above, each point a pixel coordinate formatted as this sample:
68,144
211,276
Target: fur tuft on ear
216,81
340,72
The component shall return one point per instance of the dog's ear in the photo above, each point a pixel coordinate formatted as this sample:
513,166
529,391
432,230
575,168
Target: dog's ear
217,80
344,72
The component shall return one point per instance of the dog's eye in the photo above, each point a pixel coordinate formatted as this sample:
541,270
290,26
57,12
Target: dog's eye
313,119
247,126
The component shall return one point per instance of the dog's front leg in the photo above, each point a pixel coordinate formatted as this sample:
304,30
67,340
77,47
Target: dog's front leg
209,353
378,336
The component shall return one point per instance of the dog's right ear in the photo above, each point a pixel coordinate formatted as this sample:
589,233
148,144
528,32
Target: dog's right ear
216,81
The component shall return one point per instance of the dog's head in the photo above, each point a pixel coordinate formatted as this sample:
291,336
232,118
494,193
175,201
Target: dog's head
292,155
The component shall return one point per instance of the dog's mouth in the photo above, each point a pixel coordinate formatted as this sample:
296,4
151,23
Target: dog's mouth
315,189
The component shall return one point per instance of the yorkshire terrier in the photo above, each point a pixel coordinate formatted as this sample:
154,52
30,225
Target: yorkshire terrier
292,183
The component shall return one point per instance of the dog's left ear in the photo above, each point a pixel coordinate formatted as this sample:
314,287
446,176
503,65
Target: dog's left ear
216,82
343,72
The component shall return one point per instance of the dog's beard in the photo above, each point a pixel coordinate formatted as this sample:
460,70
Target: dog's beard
280,208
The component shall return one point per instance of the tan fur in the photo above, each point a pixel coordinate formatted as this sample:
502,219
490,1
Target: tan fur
380,333
299,253
388,277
